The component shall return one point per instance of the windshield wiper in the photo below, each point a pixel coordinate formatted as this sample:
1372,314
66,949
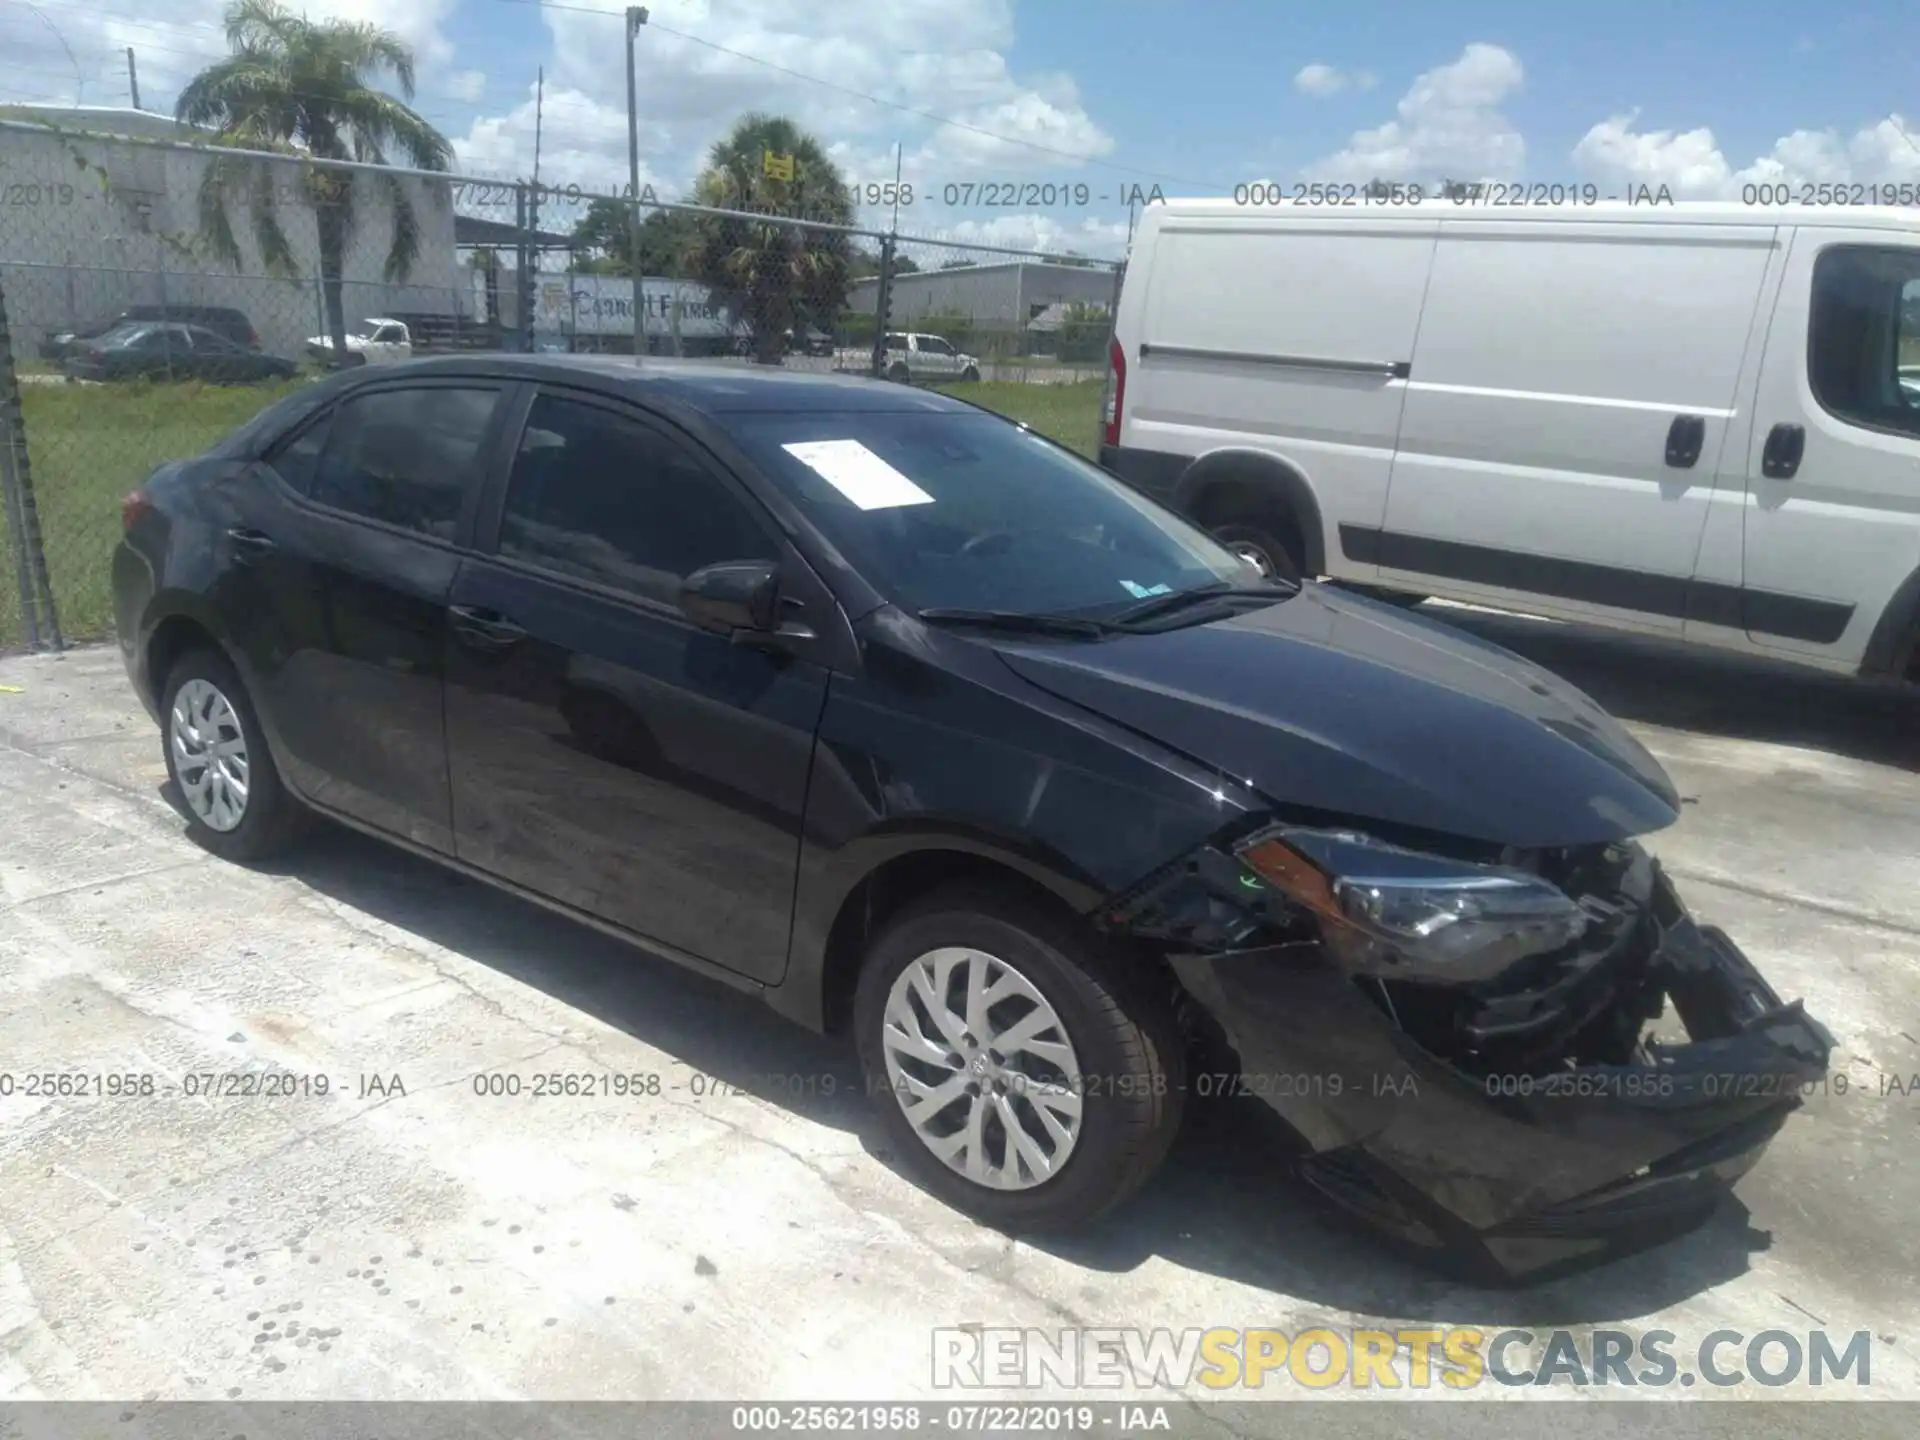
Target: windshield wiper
1156,606
1031,622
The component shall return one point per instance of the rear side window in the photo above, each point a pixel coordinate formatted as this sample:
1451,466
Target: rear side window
406,457
598,495
1863,337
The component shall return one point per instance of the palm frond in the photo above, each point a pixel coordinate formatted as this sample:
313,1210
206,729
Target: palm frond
405,247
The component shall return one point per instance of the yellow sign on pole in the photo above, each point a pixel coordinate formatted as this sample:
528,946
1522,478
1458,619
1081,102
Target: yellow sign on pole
776,167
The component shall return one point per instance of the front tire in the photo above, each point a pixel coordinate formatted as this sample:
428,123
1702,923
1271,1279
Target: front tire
970,375
218,761
1023,1073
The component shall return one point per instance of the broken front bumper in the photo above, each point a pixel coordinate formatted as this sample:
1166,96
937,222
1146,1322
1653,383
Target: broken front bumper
1510,1173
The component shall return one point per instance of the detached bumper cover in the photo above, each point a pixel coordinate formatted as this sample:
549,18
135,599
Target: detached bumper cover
1510,1173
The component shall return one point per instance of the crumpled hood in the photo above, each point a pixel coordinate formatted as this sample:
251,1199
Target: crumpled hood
1341,704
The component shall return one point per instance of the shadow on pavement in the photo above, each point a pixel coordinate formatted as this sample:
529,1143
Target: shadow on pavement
1713,692
1225,1203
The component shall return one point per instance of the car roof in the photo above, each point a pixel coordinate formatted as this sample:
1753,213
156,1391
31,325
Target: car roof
714,387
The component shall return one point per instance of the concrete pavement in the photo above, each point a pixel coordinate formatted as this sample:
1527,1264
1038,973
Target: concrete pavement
729,1226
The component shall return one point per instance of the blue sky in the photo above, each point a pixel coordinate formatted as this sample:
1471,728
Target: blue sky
1194,97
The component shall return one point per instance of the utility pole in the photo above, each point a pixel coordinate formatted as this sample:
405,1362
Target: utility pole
133,78
636,17
531,246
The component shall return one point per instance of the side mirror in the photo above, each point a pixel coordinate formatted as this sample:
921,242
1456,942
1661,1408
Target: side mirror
733,595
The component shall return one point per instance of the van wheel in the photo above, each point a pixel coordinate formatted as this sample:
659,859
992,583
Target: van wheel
1021,1072
971,374
897,373
218,761
1260,547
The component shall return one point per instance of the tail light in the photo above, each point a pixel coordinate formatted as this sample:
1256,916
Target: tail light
253,338
136,504
1117,392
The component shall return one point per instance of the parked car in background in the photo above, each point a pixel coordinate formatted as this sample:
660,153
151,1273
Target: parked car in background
177,352
1453,400
220,319
915,724
911,356
809,342
374,341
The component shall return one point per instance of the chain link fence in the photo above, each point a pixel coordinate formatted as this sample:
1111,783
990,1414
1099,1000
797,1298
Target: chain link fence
154,294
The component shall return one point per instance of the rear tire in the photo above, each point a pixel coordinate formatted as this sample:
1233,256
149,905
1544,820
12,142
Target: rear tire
217,758
1252,540
1115,1103
898,373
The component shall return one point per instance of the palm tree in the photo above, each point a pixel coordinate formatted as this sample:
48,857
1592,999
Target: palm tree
306,88
771,275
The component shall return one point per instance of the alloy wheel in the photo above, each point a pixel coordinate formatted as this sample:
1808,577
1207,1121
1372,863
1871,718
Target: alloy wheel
209,754
1254,556
982,1067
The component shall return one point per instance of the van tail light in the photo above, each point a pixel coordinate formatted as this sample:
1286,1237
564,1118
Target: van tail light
136,504
1117,391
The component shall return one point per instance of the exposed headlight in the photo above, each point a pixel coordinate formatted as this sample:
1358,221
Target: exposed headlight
1396,912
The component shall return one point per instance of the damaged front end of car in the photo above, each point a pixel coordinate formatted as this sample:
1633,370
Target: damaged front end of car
1475,1047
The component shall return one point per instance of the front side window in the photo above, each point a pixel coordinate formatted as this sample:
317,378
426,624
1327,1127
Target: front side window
296,459
967,511
599,495
1863,337
406,457
934,345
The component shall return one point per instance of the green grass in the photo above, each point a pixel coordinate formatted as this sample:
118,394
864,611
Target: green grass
1067,413
90,444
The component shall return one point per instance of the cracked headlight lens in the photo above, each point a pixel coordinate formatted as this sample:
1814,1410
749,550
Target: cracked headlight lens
1402,913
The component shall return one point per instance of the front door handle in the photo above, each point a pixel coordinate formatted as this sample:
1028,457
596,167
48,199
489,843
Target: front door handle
250,546
1685,437
1780,458
485,629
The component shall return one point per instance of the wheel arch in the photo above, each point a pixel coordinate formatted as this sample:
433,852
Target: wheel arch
878,878
1253,484
1894,648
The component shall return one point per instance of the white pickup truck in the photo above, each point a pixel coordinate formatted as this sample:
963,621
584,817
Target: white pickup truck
374,341
911,356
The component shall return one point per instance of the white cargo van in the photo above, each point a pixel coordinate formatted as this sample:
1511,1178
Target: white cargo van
1700,421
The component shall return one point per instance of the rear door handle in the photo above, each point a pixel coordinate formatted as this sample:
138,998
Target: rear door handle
1780,458
250,546
1685,437
485,629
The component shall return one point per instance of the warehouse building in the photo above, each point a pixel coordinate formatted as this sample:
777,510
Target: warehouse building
1004,300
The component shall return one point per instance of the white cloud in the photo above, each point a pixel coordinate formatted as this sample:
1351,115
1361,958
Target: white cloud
1320,80
1448,126
70,52
1692,165
926,56
466,85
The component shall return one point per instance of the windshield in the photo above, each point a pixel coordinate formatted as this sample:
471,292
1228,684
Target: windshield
968,511
367,329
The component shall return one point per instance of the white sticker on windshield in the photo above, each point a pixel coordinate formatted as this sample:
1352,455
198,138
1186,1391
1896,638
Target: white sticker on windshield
1140,592
859,474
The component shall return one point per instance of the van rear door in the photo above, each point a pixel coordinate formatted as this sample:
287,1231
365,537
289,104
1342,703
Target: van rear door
1832,519
1571,390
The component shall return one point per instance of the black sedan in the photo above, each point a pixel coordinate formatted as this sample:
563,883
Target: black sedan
922,728
156,351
